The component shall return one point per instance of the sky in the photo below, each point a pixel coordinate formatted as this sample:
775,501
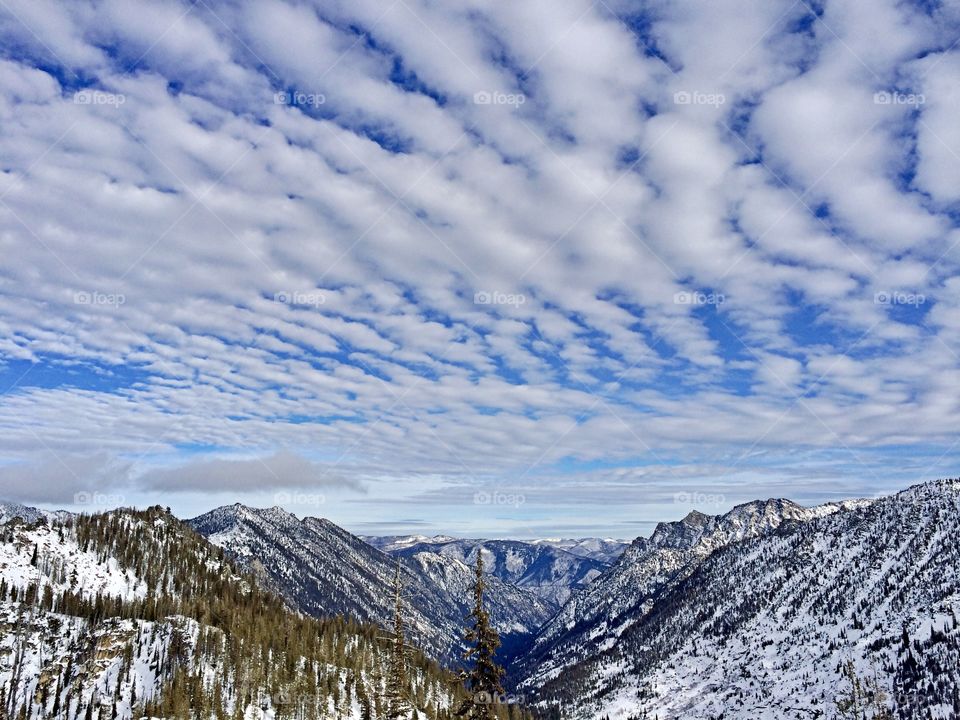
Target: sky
480,268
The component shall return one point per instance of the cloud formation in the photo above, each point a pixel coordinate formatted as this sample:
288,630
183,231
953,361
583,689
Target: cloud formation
432,249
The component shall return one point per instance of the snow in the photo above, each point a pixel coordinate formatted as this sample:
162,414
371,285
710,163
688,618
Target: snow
64,565
764,625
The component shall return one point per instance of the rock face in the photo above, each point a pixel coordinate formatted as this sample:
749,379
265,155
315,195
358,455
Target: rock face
753,614
323,570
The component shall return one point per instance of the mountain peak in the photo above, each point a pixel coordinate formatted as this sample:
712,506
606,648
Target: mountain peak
695,518
278,512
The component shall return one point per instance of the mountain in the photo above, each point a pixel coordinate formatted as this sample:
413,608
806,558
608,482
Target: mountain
771,610
323,570
132,614
392,543
549,572
10,510
756,614
605,550
593,617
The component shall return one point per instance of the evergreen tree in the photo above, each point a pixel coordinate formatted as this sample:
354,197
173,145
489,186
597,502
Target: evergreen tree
397,680
483,678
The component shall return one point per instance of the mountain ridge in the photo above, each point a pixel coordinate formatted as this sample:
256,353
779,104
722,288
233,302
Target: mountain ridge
763,627
131,613
651,564
549,572
324,570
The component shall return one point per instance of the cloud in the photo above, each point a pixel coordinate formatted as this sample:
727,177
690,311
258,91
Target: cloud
65,480
223,475
475,244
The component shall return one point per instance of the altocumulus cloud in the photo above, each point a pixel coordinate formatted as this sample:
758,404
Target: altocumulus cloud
621,249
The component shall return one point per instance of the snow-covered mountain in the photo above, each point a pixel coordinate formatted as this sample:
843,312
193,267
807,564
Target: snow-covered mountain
11,510
551,573
132,614
755,614
392,543
623,594
761,612
605,550
323,570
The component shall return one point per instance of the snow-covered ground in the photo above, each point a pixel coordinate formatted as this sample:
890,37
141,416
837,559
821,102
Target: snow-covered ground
62,564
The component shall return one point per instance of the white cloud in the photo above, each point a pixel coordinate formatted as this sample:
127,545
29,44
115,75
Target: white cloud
197,264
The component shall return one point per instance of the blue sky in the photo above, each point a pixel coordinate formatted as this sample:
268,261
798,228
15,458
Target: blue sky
522,269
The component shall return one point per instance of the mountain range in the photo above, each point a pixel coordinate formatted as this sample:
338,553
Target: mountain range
770,610
649,566
323,570
550,572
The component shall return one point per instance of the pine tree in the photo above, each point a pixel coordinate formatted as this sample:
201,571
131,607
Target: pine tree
483,678
397,680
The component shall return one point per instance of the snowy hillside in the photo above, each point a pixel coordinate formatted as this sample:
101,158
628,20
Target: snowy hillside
50,556
764,623
130,613
60,664
592,619
10,510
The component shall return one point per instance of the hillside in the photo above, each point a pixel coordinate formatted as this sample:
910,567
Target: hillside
763,624
593,617
606,550
132,612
